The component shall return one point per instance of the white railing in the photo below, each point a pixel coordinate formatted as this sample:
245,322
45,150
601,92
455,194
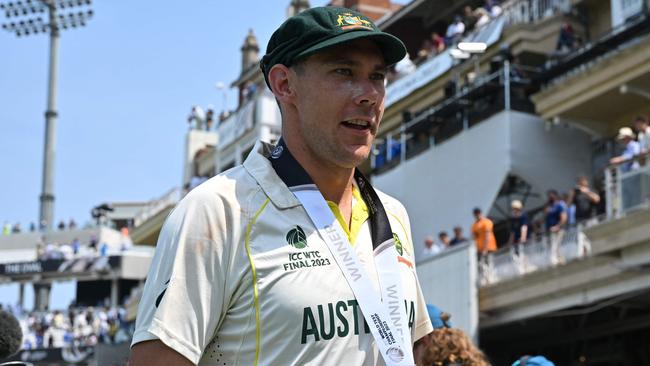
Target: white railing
627,186
531,11
545,252
170,198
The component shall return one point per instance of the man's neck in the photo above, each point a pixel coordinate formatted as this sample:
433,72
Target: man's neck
334,183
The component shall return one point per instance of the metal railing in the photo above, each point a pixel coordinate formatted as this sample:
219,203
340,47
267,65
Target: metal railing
627,186
470,104
531,11
170,197
539,253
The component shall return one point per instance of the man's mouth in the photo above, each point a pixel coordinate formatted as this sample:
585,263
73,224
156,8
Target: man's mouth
357,124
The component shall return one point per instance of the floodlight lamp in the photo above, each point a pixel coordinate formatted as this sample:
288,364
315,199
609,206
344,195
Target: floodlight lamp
458,54
472,47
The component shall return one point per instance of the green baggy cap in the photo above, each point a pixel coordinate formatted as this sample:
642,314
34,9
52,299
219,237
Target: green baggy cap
318,28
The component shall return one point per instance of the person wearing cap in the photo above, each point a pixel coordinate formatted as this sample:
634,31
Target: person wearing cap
631,149
285,259
518,224
631,190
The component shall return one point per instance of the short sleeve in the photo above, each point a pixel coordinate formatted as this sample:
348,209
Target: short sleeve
185,293
422,324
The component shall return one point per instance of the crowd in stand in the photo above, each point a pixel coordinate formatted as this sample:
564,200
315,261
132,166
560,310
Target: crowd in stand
436,43
8,229
578,207
76,248
78,326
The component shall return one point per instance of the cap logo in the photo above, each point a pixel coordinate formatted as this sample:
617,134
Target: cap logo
347,21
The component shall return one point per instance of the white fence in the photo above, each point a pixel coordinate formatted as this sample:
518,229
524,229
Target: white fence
545,252
627,186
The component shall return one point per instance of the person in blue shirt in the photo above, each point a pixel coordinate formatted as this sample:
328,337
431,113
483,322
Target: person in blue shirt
556,219
632,148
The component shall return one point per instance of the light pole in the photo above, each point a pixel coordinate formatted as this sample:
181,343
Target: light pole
24,20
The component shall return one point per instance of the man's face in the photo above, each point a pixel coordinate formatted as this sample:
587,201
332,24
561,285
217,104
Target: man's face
428,243
339,98
583,182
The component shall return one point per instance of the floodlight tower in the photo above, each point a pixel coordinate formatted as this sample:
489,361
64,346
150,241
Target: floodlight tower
24,20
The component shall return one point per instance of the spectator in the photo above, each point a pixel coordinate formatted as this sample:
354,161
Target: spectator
103,250
566,40
76,246
444,239
6,228
61,225
585,200
631,149
570,210
93,243
486,243
482,17
458,237
518,225
16,228
431,247
42,226
437,43
469,18
425,50
483,233
125,239
32,227
209,118
404,67
556,219
72,225
642,127
493,8
455,31
446,345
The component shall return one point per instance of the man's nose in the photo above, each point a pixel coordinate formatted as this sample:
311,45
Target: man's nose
369,93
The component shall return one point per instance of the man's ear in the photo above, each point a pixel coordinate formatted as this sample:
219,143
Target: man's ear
279,80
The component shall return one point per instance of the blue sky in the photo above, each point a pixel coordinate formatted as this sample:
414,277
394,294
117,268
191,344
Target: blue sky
125,86
126,83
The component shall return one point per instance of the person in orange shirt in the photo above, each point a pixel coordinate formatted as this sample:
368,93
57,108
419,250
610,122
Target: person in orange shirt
486,243
483,233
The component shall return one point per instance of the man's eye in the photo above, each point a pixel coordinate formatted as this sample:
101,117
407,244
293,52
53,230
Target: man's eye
378,76
346,72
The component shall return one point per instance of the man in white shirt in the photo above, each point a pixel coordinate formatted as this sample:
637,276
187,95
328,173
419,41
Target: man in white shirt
642,128
287,259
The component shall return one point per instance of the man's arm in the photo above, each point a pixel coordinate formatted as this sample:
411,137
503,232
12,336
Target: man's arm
156,353
524,233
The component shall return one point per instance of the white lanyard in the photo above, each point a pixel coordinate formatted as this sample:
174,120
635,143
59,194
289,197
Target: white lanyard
386,319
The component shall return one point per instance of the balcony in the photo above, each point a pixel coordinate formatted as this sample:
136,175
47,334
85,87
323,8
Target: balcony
597,84
505,89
